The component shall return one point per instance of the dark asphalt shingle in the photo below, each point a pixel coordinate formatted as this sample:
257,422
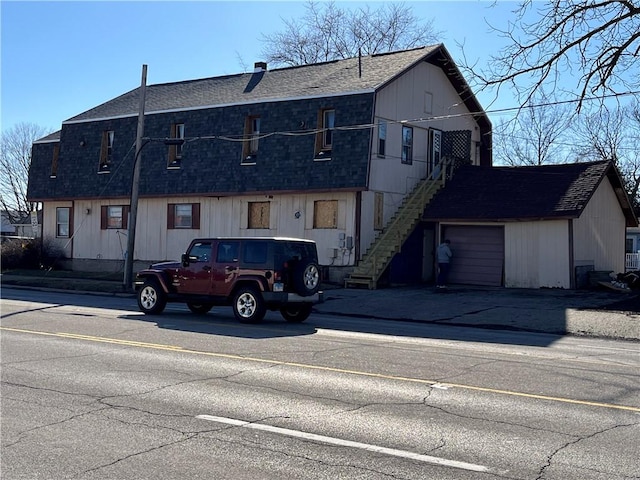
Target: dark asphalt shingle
519,193
321,79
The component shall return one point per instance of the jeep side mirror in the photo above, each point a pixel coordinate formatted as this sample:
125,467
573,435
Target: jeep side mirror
185,259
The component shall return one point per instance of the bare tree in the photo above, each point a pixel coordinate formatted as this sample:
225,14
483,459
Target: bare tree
612,134
327,32
15,160
535,137
631,168
597,42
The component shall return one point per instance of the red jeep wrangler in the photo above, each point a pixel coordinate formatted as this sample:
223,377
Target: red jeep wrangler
251,274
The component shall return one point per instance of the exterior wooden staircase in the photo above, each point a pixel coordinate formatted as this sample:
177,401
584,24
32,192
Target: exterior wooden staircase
389,242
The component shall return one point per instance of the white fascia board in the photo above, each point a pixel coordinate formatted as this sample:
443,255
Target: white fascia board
55,140
221,105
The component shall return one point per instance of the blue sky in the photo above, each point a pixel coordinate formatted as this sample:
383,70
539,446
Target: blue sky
59,59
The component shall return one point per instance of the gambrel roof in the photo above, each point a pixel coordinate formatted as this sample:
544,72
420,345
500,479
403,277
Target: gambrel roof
339,77
525,193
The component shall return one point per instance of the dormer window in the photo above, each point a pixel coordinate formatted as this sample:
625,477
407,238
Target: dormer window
106,151
324,139
251,140
328,123
175,151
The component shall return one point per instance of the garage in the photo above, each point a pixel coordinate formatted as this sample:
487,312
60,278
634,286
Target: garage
478,254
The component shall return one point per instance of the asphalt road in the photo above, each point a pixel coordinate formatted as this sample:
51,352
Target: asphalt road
92,389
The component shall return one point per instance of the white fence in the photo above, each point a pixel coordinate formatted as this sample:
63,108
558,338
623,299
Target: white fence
632,261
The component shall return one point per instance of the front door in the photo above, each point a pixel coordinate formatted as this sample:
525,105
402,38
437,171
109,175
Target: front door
196,276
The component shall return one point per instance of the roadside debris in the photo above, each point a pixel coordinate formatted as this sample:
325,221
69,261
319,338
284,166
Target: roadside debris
623,282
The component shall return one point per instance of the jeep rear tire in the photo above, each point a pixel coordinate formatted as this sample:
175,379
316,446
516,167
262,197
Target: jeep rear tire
151,298
296,312
199,308
248,305
306,278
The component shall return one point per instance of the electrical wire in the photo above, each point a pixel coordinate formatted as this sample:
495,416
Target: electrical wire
414,121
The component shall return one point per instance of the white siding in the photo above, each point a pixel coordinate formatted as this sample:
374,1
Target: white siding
404,99
225,216
49,226
537,254
599,232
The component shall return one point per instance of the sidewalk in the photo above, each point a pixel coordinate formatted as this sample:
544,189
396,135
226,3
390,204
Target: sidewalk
596,313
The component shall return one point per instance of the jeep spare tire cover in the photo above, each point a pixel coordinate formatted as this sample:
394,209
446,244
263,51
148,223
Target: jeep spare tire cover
306,277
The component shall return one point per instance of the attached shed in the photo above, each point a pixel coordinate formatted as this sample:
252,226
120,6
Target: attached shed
533,227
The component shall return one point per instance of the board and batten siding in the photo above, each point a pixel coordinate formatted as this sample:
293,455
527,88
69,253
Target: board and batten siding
599,232
537,254
405,99
49,226
224,216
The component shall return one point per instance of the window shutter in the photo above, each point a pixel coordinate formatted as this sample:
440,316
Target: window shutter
71,222
103,217
171,220
125,216
195,215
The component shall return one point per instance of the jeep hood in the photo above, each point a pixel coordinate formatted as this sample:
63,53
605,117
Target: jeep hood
165,265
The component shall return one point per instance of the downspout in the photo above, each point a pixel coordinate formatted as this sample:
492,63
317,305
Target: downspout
358,229
72,230
358,219
572,268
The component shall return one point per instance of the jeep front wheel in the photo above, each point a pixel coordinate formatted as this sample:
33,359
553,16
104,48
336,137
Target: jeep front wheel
151,298
248,305
296,312
199,308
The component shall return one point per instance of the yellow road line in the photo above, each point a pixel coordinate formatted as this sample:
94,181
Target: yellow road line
174,348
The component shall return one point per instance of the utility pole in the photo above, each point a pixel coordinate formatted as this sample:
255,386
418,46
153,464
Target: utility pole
133,208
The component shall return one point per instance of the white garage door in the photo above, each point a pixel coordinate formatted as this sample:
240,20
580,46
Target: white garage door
478,255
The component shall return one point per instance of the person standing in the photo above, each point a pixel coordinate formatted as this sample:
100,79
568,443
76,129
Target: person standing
444,255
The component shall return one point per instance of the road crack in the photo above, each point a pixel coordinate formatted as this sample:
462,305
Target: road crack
550,458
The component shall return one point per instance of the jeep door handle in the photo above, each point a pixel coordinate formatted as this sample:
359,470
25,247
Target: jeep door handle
206,268
230,269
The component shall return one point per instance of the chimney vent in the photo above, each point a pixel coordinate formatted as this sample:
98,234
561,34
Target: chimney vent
259,67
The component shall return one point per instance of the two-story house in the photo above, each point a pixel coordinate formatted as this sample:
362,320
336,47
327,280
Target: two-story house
327,152
377,159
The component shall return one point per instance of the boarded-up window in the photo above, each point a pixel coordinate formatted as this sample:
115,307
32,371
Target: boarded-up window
114,216
378,211
183,215
258,215
325,214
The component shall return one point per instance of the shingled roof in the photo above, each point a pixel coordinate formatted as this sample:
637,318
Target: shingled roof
524,193
339,77
52,137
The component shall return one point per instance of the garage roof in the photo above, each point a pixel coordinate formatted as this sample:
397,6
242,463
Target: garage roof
525,193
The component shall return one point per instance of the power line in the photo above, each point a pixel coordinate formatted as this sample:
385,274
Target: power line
409,122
